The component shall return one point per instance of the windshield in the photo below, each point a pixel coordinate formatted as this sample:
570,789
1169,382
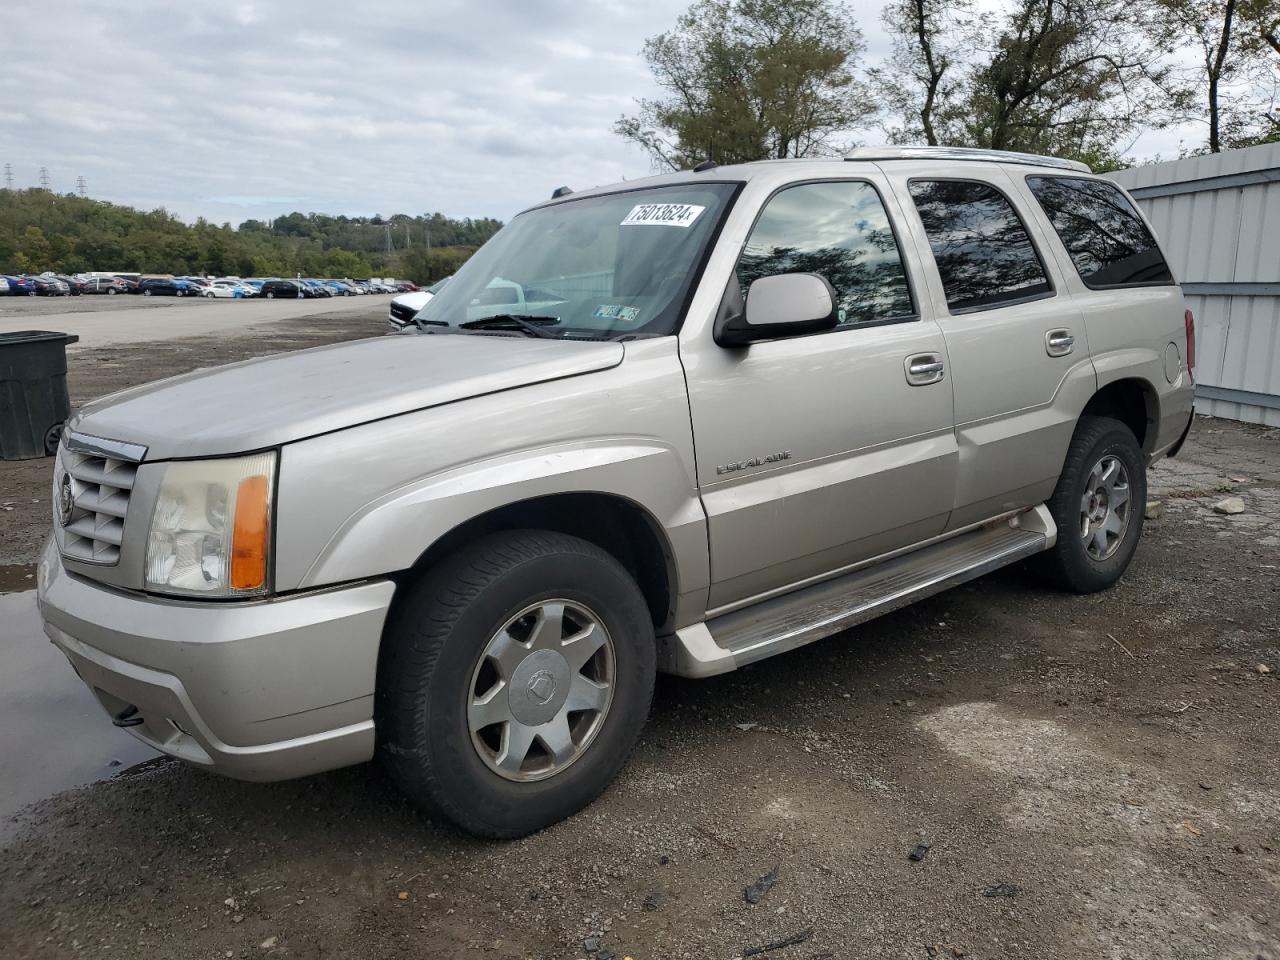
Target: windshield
612,265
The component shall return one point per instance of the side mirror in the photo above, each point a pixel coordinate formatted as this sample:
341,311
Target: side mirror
785,305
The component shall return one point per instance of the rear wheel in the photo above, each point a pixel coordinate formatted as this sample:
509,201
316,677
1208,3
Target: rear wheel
1098,507
270,295
146,293
514,681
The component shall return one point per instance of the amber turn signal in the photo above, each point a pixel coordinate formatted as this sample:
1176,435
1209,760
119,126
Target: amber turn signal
250,535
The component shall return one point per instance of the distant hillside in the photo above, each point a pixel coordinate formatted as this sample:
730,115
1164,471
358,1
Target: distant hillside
42,231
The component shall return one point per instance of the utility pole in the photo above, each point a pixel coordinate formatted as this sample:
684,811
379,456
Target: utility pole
8,176
406,234
44,178
388,238
81,188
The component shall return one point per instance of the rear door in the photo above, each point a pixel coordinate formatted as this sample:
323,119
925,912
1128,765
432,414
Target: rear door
1020,366
818,452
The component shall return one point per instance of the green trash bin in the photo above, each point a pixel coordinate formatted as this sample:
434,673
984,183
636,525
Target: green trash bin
33,392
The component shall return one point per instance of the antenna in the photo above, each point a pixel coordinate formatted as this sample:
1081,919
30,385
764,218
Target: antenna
81,188
8,176
44,178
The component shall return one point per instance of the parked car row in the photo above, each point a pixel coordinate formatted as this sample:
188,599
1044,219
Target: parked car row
57,285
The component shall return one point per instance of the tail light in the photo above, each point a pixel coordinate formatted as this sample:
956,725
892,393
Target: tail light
1191,345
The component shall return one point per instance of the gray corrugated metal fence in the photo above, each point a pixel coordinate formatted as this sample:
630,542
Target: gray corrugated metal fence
1218,219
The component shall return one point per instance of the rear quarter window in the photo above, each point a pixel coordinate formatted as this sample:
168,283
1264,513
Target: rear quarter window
1103,233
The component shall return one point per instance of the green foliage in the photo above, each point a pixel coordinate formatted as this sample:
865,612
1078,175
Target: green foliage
42,231
1067,78
751,80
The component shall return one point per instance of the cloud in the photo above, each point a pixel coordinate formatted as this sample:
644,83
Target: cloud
230,111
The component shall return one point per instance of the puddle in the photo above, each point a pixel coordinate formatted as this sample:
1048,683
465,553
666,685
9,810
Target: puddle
53,733
15,577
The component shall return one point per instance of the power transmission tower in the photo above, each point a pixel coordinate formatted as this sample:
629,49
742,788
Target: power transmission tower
8,176
44,178
81,188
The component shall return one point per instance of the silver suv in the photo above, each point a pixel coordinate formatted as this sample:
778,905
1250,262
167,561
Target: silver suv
678,424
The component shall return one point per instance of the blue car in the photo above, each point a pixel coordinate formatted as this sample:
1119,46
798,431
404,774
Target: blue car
21,286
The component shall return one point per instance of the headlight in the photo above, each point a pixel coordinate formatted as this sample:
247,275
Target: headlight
211,530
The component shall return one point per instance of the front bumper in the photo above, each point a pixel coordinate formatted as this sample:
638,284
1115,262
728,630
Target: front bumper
261,690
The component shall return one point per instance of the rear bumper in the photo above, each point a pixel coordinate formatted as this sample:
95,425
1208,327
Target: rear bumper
268,690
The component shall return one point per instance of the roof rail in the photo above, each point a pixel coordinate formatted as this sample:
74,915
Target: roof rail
962,153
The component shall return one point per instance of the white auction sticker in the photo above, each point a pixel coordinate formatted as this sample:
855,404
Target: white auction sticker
663,214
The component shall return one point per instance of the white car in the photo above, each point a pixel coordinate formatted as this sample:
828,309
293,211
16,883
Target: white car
228,289
406,306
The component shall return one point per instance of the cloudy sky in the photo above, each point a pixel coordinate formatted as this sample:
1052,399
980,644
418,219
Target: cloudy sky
230,109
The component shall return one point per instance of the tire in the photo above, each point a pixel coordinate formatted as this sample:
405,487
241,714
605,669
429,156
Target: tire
111,291
271,295
146,293
433,662
1079,562
52,437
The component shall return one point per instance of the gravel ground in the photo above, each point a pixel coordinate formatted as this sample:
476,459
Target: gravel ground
1091,776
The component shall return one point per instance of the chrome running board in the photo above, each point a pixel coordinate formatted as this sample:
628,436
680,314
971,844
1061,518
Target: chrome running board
803,616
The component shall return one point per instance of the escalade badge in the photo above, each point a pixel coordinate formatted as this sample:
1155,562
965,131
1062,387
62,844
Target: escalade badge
754,462
66,500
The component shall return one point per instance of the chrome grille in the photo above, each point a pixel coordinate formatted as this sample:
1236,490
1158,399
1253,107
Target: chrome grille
98,475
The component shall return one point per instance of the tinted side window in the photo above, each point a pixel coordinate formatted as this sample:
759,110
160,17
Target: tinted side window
983,252
1107,240
841,231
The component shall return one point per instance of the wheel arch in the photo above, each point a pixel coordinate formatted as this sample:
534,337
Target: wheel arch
619,526
1133,401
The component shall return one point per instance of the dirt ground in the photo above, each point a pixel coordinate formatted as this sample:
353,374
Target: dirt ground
1092,777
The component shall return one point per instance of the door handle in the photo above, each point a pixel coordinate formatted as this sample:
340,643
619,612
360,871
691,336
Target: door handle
1059,343
923,369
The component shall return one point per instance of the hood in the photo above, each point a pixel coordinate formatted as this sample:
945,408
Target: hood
414,300
274,400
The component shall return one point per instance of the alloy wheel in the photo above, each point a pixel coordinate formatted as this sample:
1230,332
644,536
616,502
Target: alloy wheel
541,690
1105,508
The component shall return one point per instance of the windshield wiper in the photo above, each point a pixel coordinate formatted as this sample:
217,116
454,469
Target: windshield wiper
530,324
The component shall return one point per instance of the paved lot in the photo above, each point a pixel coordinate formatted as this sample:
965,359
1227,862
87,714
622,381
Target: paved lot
101,321
1094,777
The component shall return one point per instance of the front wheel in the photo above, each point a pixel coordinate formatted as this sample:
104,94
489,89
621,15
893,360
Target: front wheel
514,681
1098,507
146,293
111,291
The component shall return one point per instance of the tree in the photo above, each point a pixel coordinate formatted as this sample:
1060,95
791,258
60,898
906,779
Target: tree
1064,77
921,78
40,231
751,80
35,254
1069,77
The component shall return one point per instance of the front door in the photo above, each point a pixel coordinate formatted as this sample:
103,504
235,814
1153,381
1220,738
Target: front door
817,452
